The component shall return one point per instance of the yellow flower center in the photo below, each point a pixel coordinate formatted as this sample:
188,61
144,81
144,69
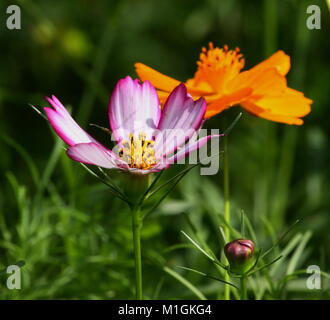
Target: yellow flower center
217,66
138,152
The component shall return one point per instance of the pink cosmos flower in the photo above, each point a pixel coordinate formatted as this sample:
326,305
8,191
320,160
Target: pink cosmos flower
149,139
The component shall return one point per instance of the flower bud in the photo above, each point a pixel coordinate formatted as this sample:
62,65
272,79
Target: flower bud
240,255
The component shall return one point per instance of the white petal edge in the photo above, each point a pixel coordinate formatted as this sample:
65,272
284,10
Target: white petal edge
95,154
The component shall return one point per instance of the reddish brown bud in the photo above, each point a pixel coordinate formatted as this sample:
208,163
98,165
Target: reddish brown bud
240,254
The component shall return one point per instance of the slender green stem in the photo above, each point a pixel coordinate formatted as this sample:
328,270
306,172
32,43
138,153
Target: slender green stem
243,288
226,207
135,190
270,26
136,229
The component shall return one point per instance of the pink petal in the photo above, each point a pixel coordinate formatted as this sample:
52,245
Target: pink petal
134,108
63,124
190,147
95,154
180,119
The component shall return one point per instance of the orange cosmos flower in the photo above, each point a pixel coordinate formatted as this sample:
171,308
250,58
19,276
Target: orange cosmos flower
262,90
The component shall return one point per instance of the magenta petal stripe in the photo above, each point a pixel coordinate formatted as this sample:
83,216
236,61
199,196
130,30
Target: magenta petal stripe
63,124
190,147
180,119
181,111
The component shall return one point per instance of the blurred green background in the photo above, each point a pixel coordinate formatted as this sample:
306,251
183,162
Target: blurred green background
73,235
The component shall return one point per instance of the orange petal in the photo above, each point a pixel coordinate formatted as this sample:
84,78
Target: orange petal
165,83
263,82
162,95
157,79
290,103
227,101
201,88
287,108
278,60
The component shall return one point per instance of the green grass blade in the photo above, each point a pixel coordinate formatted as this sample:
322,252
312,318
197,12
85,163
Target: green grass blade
207,276
293,263
267,265
185,282
233,124
278,242
28,159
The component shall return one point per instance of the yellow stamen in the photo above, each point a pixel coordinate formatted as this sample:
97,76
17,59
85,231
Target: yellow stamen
217,66
138,152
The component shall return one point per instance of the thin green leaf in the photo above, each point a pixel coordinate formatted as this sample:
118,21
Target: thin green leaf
233,231
178,246
233,124
51,165
38,111
179,176
163,197
250,229
190,223
157,289
207,276
112,189
153,183
185,282
281,238
110,181
24,154
298,252
242,224
287,250
222,232
255,262
198,247
106,130
202,243
265,266
271,232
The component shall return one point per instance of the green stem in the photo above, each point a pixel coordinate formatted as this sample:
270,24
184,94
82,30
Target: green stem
136,229
135,190
226,207
270,26
243,288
